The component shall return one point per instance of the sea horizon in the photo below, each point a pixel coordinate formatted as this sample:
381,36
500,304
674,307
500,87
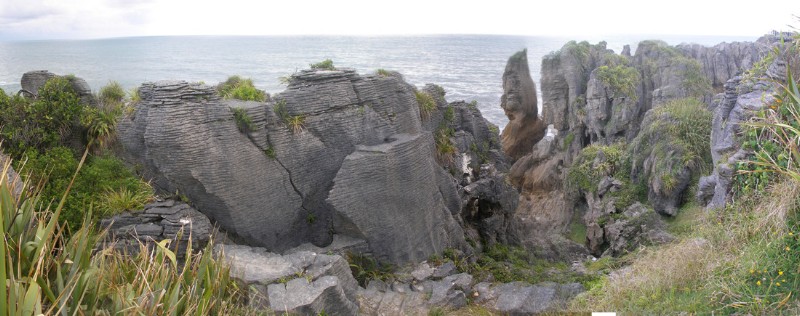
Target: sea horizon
468,66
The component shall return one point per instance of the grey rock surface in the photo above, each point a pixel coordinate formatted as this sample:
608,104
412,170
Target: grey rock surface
163,220
300,296
300,282
519,298
738,105
186,138
638,225
519,102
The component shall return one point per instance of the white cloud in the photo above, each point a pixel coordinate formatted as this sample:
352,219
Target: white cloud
110,18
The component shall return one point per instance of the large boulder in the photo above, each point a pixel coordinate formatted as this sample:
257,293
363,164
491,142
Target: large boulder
519,298
302,282
322,158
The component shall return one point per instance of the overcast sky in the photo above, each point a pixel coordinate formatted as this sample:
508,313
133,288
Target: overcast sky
61,19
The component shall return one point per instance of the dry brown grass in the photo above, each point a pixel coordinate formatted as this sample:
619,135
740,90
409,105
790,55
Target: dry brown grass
700,273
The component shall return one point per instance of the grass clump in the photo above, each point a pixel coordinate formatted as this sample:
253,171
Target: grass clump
243,120
383,72
326,64
445,149
426,104
296,123
674,137
112,93
240,88
366,268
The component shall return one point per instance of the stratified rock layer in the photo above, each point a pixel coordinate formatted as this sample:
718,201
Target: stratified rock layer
519,102
336,153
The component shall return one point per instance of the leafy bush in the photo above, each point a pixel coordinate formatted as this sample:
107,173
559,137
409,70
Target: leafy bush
55,168
240,88
323,65
49,272
623,80
42,123
243,120
101,125
426,104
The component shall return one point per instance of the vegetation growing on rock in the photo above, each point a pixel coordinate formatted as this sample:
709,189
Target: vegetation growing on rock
674,138
426,104
241,89
323,65
622,79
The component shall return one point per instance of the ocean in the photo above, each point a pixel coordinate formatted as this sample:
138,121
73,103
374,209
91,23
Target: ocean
469,67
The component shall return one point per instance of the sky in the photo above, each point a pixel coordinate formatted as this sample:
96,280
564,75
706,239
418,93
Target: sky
88,19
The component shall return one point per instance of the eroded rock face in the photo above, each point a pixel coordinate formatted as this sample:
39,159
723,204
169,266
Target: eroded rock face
738,103
519,102
358,162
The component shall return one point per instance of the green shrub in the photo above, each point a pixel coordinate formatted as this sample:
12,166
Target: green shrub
426,104
383,72
323,65
623,80
111,94
584,175
240,88
243,120
280,110
101,174
42,123
100,125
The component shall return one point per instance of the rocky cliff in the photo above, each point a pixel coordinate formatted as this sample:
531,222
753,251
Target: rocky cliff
594,97
337,153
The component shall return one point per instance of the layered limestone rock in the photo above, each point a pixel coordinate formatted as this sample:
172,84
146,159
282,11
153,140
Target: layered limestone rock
592,96
335,154
163,220
741,98
303,282
519,101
